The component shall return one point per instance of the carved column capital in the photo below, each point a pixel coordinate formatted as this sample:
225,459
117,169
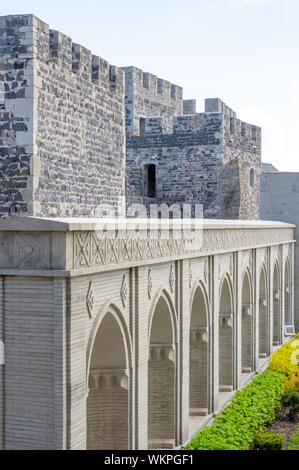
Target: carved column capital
199,334
161,352
276,295
263,302
247,310
226,319
100,379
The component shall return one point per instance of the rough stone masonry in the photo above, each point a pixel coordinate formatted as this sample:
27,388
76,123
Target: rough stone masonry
62,149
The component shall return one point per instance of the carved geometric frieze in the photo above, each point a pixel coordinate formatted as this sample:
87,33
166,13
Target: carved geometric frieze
31,250
161,352
124,291
199,334
101,248
100,379
90,300
226,319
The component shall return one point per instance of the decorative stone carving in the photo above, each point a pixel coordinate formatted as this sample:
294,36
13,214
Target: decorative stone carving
219,271
149,284
31,250
190,275
99,248
226,319
90,300
124,291
171,278
161,352
100,379
199,334
206,271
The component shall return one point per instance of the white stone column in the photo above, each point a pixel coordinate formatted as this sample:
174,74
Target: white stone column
237,333
2,360
183,306
214,296
141,304
60,362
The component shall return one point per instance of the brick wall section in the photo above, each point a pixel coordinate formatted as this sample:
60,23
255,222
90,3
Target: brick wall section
107,419
199,374
29,367
161,406
225,356
246,348
62,123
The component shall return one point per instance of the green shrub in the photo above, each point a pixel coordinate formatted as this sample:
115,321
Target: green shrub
250,411
291,400
268,441
286,358
294,442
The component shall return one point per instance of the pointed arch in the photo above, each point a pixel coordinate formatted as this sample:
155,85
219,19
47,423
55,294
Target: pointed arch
226,328
108,373
287,293
199,357
276,299
162,370
263,306
247,324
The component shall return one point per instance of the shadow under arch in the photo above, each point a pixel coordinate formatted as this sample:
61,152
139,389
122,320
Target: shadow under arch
109,374
287,293
162,373
276,299
263,313
199,352
247,323
226,334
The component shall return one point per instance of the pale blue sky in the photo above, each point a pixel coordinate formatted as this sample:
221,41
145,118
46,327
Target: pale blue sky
245,52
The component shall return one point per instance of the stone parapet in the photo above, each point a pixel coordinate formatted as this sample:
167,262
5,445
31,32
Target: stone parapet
76,246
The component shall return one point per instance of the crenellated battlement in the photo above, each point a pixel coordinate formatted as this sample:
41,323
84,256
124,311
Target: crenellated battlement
215,105
197,122
27,37
150,83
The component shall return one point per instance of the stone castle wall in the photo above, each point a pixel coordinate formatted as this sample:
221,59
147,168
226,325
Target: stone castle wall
62,145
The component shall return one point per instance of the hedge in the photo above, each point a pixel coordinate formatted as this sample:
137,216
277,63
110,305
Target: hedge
294,442
285,358
250,411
